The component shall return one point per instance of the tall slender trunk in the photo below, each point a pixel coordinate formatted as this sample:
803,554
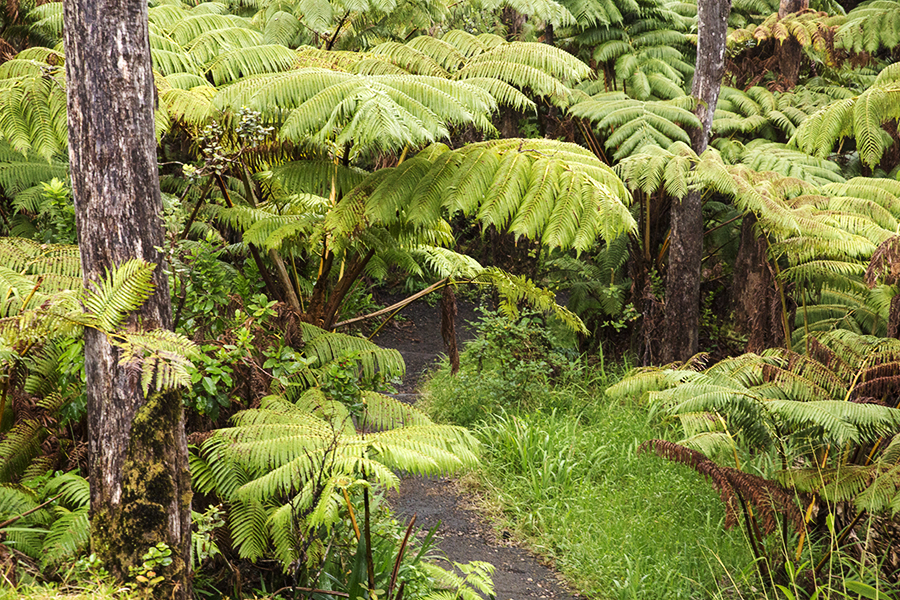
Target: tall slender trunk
140,483
681,336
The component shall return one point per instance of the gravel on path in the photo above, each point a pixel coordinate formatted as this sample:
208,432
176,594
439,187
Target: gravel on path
463,533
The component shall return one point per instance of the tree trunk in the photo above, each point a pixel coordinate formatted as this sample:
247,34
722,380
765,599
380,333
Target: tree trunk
790,53
140,483
757,304
680,340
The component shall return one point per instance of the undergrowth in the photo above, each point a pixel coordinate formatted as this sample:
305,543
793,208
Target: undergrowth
562,463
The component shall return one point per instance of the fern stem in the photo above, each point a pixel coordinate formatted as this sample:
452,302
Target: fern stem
285,279
193,217
297,282
784,313
397,562
337,30
367,525
748,519
267,278
352,514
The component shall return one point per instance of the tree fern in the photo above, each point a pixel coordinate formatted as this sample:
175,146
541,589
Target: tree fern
33,103
756,113
640,47
543,189
309,456
860,117
762,155
629,125
769,401
870,27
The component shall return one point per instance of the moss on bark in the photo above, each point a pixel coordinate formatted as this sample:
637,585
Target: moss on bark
151,483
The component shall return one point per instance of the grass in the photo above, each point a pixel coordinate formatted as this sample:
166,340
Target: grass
618,524
52,592
562,462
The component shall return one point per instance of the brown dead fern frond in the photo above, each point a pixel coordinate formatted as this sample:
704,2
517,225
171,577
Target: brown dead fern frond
768,498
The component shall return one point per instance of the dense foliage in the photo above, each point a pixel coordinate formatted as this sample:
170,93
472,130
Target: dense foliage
312,149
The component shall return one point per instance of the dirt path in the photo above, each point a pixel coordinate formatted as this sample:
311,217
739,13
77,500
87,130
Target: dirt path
464,535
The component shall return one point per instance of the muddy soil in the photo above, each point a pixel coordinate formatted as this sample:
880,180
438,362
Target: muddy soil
464,534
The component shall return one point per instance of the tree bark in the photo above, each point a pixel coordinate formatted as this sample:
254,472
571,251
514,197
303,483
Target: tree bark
681,336
757,304
140,483
790,53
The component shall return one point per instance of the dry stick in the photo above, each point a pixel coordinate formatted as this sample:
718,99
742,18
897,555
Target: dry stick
9,522
311,591
394,307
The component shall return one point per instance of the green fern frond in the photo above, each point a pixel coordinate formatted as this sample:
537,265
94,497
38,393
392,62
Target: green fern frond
187,29
444,262
33,110
118,294
19,447
163,358
317,176
441,51
328,346
870,27
409,59
515,289
762,155
631,125
204,48
248,61
67,536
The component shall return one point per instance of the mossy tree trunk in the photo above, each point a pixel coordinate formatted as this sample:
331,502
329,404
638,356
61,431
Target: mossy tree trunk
681,335
140,483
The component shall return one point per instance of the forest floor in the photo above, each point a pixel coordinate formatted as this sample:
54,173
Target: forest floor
465,532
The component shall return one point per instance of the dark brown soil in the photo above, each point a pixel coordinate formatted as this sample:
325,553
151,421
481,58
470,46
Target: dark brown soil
464,534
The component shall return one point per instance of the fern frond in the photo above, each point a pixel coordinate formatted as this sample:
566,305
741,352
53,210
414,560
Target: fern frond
247,61
118,294
163,357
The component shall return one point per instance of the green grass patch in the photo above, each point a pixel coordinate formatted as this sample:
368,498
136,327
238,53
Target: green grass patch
562,462
618,524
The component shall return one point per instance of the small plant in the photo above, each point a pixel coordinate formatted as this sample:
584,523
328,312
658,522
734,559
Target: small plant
511,365
155,559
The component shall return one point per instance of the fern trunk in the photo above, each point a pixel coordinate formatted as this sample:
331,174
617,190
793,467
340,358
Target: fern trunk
789,51
681,337
140,483
757,305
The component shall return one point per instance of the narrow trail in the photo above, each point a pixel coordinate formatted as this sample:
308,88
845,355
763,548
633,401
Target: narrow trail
464,533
